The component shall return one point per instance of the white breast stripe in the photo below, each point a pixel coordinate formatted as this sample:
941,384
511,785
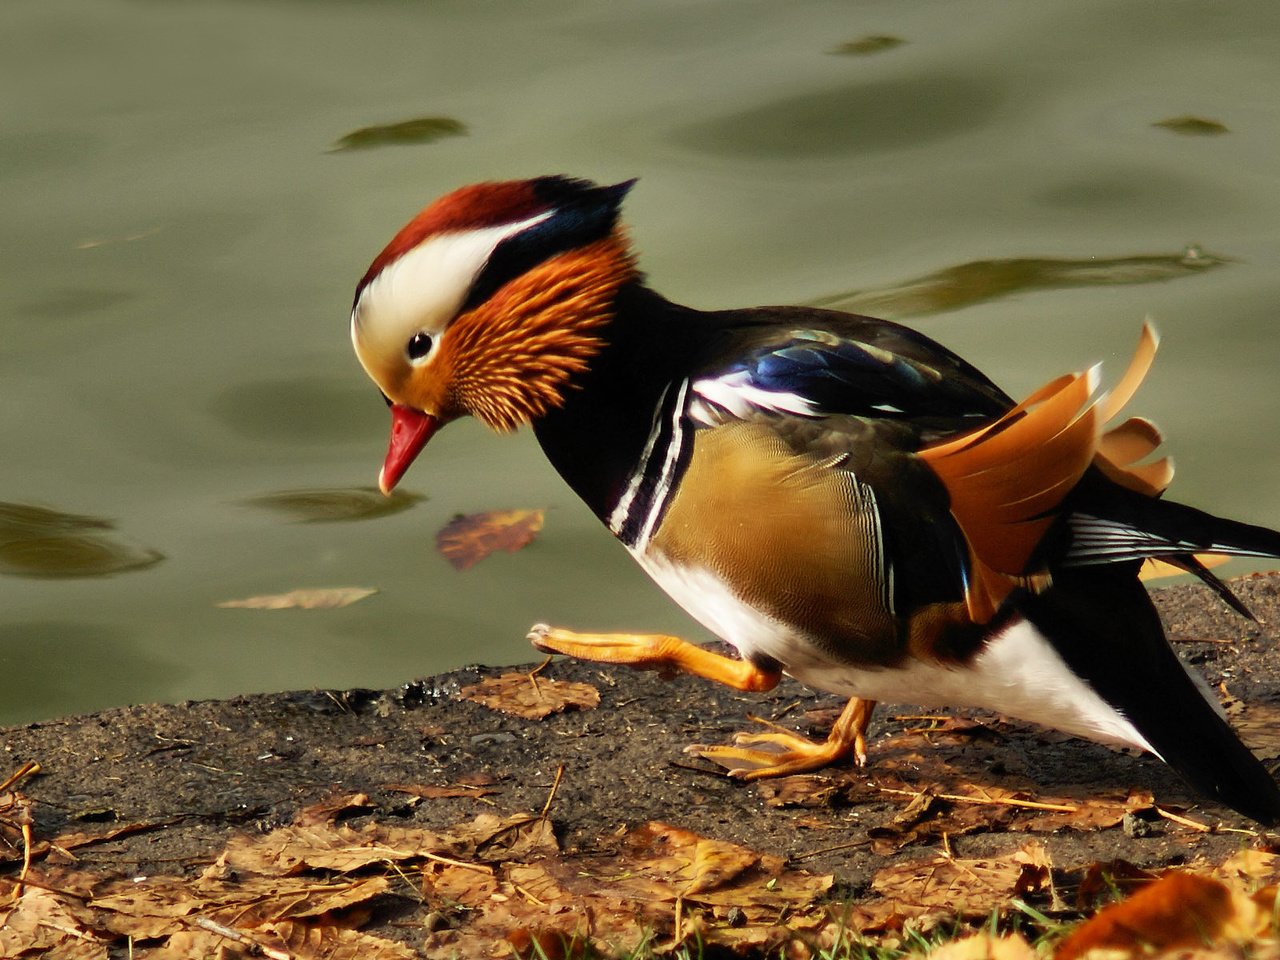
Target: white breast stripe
619,515
662,489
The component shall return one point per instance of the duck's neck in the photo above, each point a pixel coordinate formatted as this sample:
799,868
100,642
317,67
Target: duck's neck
596,439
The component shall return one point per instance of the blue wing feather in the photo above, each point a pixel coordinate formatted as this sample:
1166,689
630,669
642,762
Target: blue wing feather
839,375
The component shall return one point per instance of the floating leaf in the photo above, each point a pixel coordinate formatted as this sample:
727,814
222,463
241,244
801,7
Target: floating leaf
318,598
466,540
336,504
981,281
531,697
420,130
38,542
1192,126
871,43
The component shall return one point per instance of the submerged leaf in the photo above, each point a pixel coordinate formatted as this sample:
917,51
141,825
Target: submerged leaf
871,43
419,130
304,599
466,540
39,542
1193,126
531,697
336,504
980,281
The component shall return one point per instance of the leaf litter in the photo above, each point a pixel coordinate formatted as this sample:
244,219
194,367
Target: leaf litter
502,885
529,696
350,877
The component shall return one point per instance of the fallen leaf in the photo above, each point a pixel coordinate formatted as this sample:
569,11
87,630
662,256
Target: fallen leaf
1180,910
161,906
809,791
1259,727
330,941
531,697
429,791
984,946
304,599
969,888
41,921
293,849
466,540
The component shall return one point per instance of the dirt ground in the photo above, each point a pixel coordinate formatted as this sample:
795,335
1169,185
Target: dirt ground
198,772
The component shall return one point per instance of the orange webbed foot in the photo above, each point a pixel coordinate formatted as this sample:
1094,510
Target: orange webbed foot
788,753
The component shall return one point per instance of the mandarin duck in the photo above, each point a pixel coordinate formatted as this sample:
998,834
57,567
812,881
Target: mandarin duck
839,498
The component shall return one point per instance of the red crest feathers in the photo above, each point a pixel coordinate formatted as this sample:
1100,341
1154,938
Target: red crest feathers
468,208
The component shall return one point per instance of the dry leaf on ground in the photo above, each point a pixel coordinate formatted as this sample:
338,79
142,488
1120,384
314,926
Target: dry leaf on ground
1259,727
466,540
1179,911
531,697
659,881
969,888
319,598
431,791
983,946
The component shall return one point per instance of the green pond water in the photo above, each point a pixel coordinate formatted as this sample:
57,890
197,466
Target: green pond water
189,191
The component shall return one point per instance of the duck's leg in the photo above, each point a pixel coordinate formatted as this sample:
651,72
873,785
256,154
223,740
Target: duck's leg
669,655
655,651
797,754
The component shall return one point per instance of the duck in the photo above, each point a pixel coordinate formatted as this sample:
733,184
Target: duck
839,498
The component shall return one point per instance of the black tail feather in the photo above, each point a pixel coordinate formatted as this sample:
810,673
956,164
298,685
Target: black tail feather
1192,565
1106,524
1103,624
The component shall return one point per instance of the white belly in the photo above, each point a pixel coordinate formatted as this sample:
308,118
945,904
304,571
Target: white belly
1018,673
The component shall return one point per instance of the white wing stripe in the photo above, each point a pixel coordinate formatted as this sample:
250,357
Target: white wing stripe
738,397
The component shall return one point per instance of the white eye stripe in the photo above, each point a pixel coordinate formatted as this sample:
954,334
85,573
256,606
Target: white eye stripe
423,289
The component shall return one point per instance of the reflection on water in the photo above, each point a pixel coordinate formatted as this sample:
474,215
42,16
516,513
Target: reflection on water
327,506
983,280
181,245
37,542
854,118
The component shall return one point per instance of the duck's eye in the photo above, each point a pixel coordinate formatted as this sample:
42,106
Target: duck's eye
419,346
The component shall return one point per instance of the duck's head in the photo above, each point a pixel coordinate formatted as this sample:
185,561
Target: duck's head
488,303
